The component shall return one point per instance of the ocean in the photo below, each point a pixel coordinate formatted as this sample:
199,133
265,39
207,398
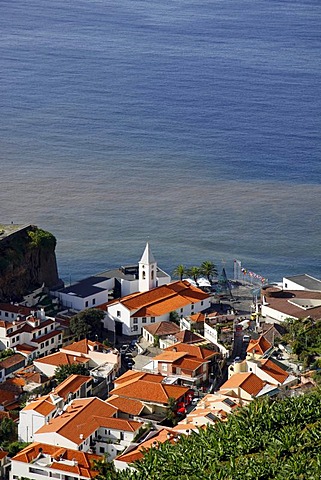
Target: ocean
194,125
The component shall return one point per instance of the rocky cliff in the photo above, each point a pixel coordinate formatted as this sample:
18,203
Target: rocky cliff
27,261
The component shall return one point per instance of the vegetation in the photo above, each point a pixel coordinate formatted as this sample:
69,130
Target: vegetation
41,238
267,440
63,371
304,338
87,323
6,353
179,271
174,317
207,268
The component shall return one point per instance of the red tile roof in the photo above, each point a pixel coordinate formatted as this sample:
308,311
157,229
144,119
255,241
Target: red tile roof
246,381
150,392
77,462
60,358
259,346
162,328
161,300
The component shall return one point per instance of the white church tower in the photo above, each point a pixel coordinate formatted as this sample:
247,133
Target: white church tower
147,270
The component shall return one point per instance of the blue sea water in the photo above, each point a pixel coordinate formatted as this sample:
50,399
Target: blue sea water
194,124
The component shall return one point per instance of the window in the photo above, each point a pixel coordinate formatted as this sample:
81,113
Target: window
12,315
202,302
94,301
152,275
47,343
42,345
6,314
52,340
135,320
17,339
86,303
181,310
46,330
164,367
135,328
144,275
118,314
101,450
52,326
152,319
144,319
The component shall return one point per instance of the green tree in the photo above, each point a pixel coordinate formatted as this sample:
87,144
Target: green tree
64,371
179,271
209,270
194,273
87,323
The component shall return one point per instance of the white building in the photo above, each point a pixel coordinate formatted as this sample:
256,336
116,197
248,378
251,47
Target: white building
98,289
298,297
40,461
140,309
32,336
40,411
89,425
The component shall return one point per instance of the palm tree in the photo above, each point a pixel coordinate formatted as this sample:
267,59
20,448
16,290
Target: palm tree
179,271
209,270
194,273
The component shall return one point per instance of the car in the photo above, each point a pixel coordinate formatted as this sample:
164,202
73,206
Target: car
246,338
195,401
237,359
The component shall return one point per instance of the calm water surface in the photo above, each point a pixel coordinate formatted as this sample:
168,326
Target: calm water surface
194,124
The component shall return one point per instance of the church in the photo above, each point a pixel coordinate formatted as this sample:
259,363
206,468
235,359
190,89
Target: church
100,288
134,296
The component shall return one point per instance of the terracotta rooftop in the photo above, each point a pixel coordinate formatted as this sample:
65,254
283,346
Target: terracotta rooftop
192,350
162,436
71,385
66,460
13,360
162,328
82,417
150,391
126,405
43,406
83,346
17,309
60,358
259,346
197,317
247,381
274,370
161,300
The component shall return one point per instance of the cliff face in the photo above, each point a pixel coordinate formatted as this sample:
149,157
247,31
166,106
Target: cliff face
27,260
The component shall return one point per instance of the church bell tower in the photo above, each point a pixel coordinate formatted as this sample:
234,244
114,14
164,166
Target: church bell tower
147,270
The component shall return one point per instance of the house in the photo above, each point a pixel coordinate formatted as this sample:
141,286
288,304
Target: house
32,336
4,464
187,364
193,322
155,332
98,289
268,370
137,452
298,297
11,364
40,411
257,348
103,362
42,461
133,312
89,424
152,391
246,386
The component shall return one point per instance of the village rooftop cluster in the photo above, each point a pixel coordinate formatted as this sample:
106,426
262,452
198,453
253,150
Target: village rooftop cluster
170,358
